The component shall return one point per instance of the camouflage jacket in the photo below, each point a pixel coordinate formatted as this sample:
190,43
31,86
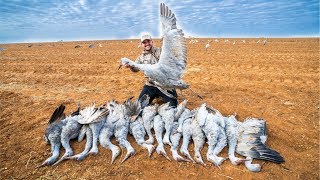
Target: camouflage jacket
148,57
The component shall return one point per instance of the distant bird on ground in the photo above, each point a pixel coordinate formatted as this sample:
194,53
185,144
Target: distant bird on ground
234,42
216,40
243,41
207,46
251,142
167,73
91,46
100,45
258,41
77,46
265,42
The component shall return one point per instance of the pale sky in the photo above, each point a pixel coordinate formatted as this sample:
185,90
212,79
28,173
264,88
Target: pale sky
42,20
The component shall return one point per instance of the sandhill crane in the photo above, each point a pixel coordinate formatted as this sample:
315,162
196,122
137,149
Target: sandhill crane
265,42
167,73
175,139
93,119
250,142
191,129
212,123
136,123
207,46
148,115
59,132
234,42
117,124
158,129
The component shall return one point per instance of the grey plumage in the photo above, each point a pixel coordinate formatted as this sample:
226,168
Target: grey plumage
60,133
107,132
251,138
167,73
93,118
136,124
212,123
192,130
167,115
175,139
185,128
158,129
148,115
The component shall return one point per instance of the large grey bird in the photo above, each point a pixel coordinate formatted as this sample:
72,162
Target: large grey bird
170,114
93,118
167,73
121,123
184,127
250,142
136,123
158,129
192,129
148,114
175,139
212,123
108,129
167,115
59,132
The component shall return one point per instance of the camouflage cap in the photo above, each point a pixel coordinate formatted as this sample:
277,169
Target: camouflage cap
145,36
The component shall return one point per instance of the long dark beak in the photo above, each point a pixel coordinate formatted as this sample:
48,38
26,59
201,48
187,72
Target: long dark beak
119,66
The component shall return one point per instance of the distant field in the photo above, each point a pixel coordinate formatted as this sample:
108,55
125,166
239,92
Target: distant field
278,82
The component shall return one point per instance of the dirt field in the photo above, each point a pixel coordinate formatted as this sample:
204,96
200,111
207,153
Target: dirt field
278,82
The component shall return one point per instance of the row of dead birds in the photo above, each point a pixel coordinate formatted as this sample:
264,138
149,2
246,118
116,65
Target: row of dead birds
100,124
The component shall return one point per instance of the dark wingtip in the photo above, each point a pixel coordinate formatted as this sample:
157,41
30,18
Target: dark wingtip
57,114
77,112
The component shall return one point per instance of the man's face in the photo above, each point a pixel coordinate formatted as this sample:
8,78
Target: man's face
147,44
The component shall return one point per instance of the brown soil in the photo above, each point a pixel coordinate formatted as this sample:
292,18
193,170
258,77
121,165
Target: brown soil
278,82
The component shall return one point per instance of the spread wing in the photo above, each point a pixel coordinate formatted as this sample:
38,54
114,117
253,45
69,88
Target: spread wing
91,114
251,141
173,58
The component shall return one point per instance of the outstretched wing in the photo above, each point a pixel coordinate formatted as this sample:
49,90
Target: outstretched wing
251,141
91,114
173,58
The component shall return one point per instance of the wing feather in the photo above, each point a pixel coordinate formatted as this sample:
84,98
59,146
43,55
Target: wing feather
250,142
173,58
57,114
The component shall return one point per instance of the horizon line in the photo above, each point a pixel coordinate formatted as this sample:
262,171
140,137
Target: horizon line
137,38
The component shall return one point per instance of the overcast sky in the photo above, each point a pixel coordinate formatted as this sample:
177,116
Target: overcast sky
41,20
